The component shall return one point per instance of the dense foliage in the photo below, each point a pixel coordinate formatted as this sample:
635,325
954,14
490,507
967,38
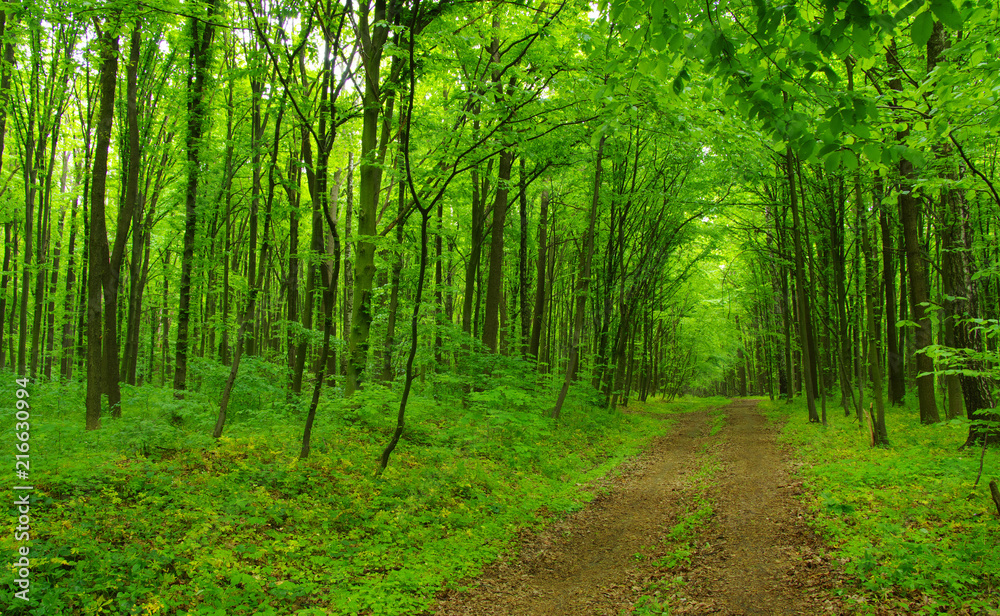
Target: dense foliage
405,227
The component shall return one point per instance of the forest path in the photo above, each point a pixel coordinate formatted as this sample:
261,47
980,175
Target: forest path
755,556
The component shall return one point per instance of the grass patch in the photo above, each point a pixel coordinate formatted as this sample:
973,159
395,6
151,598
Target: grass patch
905,521
150,516
718,421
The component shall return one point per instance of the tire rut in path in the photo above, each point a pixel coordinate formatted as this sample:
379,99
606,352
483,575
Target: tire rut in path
758,556
748,560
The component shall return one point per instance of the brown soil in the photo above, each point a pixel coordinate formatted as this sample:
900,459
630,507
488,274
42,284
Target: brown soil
755,556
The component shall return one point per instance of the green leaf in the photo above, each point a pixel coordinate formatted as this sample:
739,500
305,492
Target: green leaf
829,147
832,161
920,30
947,13
862,37
850,161
911,8
806,147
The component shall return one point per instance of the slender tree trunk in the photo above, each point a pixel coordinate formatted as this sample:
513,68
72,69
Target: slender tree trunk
880,437
397,268
330,267
787,328
348,255
919,296
475,252
8,255
408,378
295,348
805,319
583,281
897,379
839,275
256,139
6,66
438,286
909,214
202,33
139,269
522,262
53,287
247,318
165,322
29,214
540,297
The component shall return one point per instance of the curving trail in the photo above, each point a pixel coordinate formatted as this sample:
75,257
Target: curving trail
755,556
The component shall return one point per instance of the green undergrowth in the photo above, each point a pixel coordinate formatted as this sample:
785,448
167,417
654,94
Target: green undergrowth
674,555
151,516
905,521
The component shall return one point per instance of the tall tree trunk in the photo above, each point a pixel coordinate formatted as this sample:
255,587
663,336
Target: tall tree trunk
897,378
139,265
112,275
28,172
67,328
539,312
51,309
494,283
6,66
348,254
98,249
839,275
583,281
54,279
919,295
909,214
256,139
256,282
959,282
522,261
786,318
374,31
202,33
8,255
438,286
805,318
880,437
475,251
330,267
165,321
295,348
86,172
397,268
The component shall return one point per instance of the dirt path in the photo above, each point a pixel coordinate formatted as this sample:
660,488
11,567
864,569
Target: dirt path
756,556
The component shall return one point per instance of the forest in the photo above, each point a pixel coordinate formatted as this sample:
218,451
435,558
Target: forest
340,306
